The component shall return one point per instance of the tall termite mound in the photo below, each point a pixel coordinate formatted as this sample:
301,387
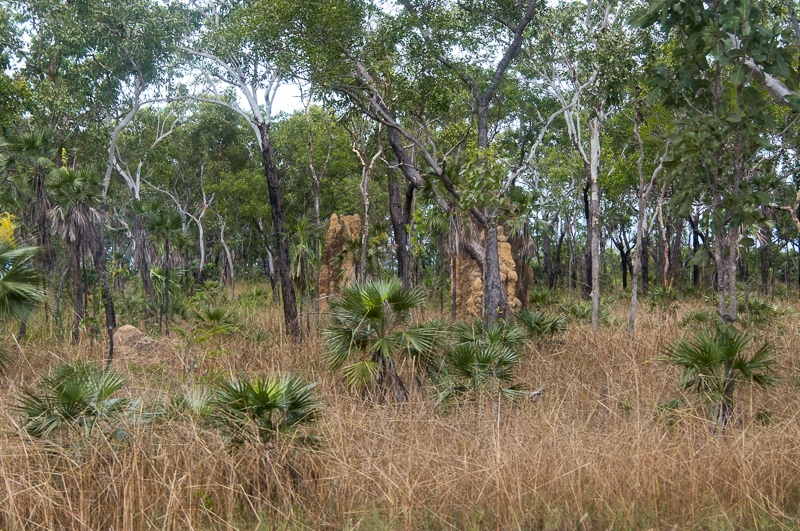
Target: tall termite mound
469,280
339,260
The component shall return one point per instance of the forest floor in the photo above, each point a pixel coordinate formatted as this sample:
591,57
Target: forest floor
590,452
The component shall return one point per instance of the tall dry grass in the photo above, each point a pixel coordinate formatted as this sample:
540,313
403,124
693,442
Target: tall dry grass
589,453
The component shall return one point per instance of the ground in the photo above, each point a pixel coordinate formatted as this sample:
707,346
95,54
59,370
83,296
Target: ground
590,452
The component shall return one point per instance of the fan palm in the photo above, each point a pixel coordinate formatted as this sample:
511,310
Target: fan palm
539,324
20,283
485,358
76,217
261,409
712,365
370,331
73,394
163,227
31,154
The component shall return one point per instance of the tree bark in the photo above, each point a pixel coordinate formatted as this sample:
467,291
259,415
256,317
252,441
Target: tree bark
142,260
594,207
399,217
586,287
281,245
495,299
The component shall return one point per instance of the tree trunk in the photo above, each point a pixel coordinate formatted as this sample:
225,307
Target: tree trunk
586,288
364,187
101,264
594,207
495,299
77,290
202,238
229,259
548,259
646,262
764,259
397,213
281,245
167,264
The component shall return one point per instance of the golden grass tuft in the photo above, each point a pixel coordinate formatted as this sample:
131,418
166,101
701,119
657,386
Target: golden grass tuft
589,453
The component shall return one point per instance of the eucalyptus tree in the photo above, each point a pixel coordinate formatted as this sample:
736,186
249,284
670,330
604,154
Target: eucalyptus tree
139,144
442,50
246,50
727,62
584,55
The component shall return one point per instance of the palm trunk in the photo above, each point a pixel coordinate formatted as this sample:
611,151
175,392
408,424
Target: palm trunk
142,260
77,290
101,263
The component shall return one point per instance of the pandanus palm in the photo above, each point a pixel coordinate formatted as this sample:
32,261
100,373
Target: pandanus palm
163,227
369,332
76,217
31,154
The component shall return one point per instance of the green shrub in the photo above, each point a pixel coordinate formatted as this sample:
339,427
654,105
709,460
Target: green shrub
712,366
75,395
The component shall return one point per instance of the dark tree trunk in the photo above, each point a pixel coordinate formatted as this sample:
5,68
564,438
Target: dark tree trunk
548,259
675,250
41,207
645,262
495,299
586,289
559,266
281,245
399,211
695,267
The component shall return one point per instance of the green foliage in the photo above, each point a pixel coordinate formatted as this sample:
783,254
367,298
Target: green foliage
75,395
260,410
703,317
759,312
369,331
663,297
540,324
484,360
712,365
20,283
582,312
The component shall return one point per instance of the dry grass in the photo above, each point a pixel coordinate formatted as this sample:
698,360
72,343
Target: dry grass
590,453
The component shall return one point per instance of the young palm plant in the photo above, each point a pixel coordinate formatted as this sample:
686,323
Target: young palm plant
539,325
20,285
713,365
369,333
485,359
77,394
260,410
